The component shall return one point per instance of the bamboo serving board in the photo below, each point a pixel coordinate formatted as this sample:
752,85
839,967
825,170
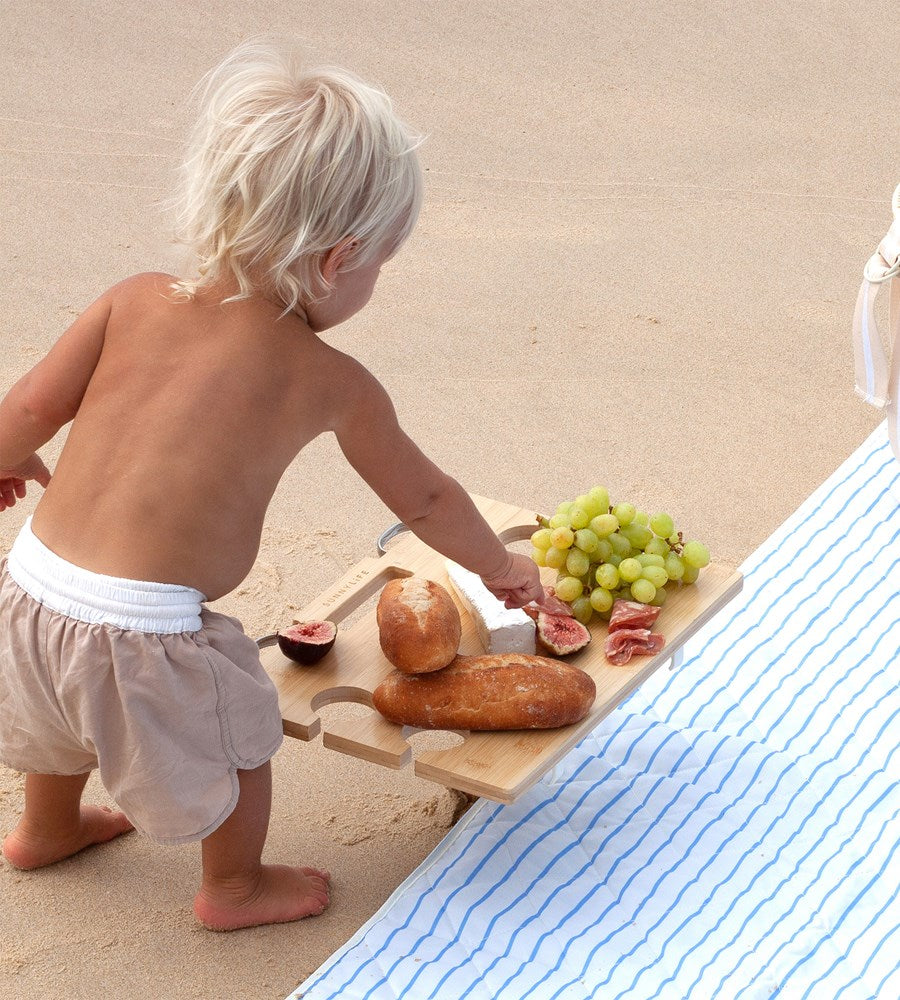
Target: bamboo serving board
498,766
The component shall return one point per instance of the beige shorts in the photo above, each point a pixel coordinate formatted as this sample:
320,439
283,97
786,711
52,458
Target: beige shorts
167,698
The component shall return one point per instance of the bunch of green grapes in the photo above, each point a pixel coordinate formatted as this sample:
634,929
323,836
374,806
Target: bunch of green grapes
603,552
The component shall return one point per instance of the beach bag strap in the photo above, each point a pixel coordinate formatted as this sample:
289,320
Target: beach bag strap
878,371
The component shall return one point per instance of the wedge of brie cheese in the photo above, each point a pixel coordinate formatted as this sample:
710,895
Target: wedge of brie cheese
501,629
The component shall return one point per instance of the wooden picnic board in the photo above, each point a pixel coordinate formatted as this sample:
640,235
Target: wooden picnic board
498,766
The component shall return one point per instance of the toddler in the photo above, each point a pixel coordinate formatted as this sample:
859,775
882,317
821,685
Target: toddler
189,398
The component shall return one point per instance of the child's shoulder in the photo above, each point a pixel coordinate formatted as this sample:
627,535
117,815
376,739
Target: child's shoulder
343,368
138,287
145,283
355,391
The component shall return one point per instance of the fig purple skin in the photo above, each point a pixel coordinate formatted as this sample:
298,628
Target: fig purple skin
307,642
561,635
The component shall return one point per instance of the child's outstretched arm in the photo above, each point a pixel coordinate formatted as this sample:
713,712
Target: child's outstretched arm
45,399
432,504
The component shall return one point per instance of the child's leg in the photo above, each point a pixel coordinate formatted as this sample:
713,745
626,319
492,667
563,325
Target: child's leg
55,825
239,891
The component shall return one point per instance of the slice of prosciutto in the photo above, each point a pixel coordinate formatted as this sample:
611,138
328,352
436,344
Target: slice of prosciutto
631,614
624,643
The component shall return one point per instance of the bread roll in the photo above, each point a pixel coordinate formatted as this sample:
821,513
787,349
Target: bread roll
500,691
418,625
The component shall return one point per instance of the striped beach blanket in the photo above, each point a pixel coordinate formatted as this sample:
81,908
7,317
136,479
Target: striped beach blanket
731,831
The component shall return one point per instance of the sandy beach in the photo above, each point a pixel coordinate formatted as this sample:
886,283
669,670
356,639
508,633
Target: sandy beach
643,233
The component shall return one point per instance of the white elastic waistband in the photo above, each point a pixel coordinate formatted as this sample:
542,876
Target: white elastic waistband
92,597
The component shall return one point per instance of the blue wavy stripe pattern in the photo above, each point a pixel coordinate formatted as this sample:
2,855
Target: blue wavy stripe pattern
732,831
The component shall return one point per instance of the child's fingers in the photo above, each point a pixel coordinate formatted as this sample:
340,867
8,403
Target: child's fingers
504,594
517,597
11,489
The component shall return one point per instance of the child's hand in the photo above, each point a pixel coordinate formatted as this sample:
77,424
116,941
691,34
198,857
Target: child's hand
518,583
12,481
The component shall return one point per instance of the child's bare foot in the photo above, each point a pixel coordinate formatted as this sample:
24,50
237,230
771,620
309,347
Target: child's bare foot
277,894
25,848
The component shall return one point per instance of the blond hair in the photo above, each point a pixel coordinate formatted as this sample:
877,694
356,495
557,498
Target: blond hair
283,165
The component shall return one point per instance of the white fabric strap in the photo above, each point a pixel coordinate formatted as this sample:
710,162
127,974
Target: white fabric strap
893,408
872,366
877,369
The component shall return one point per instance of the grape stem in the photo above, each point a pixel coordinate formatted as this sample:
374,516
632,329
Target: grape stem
543,521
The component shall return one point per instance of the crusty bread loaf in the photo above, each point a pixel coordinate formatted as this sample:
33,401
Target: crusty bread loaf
418,625
499,691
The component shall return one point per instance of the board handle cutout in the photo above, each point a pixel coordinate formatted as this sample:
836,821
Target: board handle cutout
517,533
353,589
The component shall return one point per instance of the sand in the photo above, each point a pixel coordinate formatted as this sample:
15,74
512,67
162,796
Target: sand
636,264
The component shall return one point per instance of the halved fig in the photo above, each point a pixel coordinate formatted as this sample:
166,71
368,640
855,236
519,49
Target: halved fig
561,635
307,642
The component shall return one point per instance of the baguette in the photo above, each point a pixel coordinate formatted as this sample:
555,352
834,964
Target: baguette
419,627
485,693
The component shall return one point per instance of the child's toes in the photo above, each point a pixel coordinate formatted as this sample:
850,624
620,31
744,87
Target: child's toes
320,872
102,824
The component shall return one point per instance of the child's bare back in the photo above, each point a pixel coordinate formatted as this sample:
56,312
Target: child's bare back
193,412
